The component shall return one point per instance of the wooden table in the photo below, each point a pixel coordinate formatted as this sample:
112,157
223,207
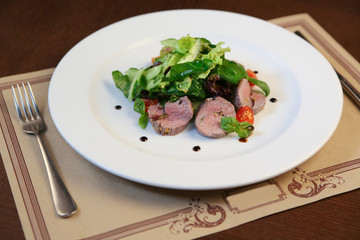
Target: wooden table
36,34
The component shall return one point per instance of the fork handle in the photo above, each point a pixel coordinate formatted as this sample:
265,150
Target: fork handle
64,203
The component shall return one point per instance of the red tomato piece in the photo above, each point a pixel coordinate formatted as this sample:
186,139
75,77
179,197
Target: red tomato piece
251,74
245,114
149,102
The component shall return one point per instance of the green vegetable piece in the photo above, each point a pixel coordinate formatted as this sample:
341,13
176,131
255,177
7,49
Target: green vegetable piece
139,106
197,90
171,42
207,44
193,52
184,85
122,82
216,54
182,70
152,72
261,84
143,120
244,129
230,124
135,78
186,43
231,71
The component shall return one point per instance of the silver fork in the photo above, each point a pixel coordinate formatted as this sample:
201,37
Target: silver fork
32,123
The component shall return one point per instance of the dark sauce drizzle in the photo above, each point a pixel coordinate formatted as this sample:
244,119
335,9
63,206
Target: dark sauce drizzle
196,148
273,100
117,107
143,139
244,140
256,72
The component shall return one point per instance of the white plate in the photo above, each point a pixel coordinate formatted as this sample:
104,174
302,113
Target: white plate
82,97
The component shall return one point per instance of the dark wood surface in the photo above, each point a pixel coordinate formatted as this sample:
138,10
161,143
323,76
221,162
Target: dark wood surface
36,34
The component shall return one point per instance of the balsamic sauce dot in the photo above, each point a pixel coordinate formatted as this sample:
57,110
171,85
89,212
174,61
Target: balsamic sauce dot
117,107
143,139
256,72
196,148
273,100
244,140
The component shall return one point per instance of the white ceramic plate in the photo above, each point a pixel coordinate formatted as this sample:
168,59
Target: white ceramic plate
82,97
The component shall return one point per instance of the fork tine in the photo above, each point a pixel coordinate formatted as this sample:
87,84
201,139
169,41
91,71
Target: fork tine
27,117
18,110
33,99
29,108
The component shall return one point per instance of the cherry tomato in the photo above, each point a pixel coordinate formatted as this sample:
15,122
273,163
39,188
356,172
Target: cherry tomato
251,74
245,114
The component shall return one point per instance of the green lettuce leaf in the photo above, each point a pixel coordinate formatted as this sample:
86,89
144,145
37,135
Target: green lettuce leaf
122,82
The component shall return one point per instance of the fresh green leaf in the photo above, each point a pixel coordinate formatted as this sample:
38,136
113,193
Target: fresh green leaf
192,52
152,72
170,42
122,82
216,54
231,71
230,124
139,106
186,43
182,70
261,84
244,129
197,90
184,85
173,90
135,76
143,120
207,45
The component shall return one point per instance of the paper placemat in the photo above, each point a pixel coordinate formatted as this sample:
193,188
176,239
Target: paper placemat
114,208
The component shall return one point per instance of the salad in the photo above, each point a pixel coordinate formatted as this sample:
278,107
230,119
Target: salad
191,71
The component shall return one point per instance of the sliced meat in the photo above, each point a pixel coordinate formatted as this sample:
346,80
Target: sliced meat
245,95
259,101
155,111
242,95
173,119
208,118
